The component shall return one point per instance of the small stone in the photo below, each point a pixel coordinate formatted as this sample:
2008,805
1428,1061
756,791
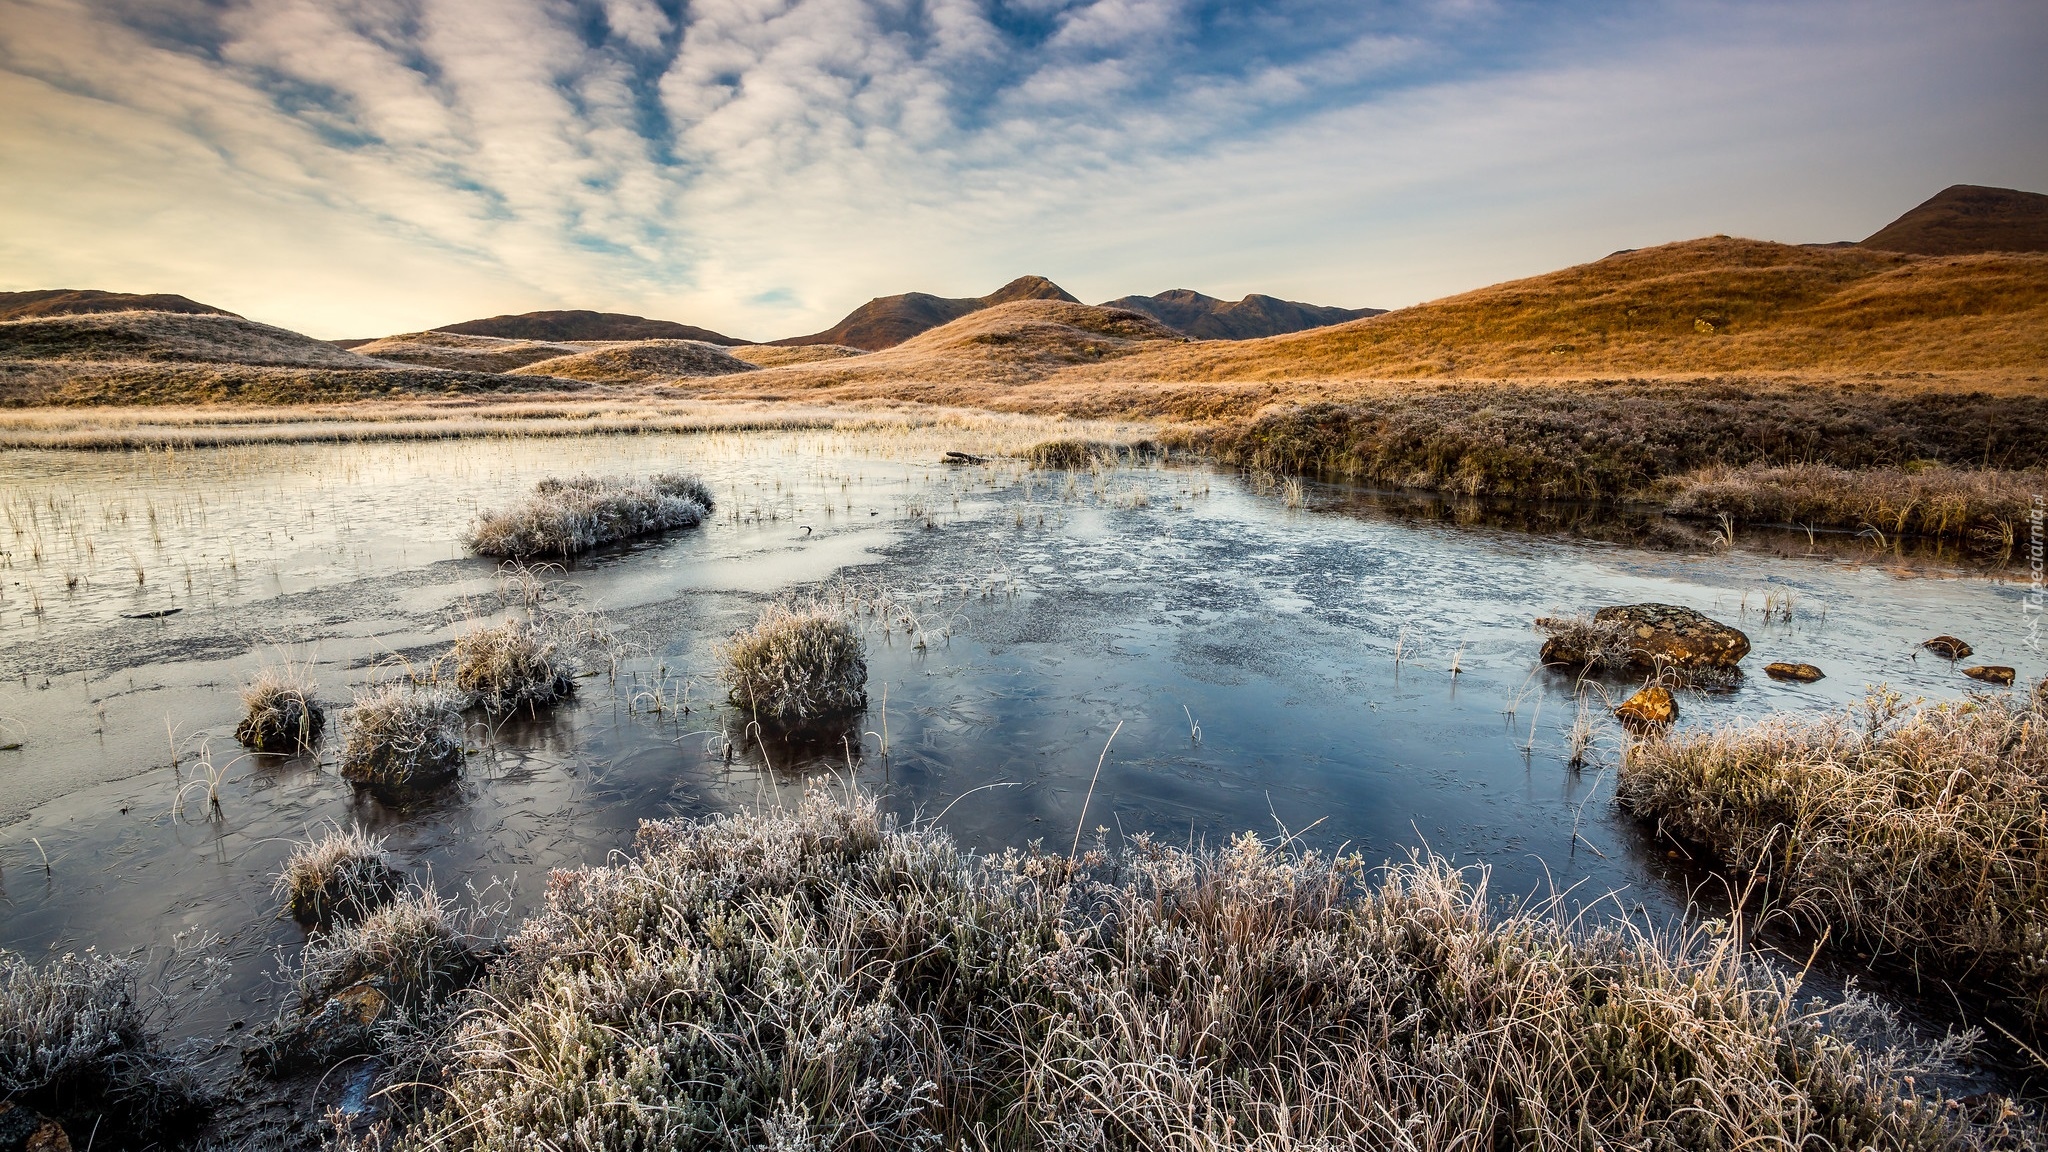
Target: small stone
1947,647
1990,673
1652,707
1804,673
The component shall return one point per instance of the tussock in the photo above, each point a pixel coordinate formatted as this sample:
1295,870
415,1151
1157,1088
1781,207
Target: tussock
1069,454
1917,832
414,952
565,517
823,979
1605,646
344,873
507,665
281,714
401,737
797,664
78,1040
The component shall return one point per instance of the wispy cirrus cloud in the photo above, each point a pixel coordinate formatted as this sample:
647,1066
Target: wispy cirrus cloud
360,166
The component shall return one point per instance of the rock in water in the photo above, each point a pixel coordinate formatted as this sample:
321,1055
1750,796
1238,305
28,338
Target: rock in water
1666,635
1947,647
1804,673
1651,708
1990,673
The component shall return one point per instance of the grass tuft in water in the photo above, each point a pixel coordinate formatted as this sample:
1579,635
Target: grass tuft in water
401,737
825,979
1587,644
345,873
414,952
566,516
281,714
506,665
78,1041
797,664
1920,832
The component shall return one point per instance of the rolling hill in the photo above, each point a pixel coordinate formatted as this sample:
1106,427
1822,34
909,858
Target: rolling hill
582,325
887,321
182,357
85,301
639,361
1964,219
463,353
995,348
1207,318
1699,306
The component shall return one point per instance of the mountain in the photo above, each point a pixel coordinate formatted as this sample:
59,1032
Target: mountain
887,321
85,301
1964,219
581,325
1207,318
982,355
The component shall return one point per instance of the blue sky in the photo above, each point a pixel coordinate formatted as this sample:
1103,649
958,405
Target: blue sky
357,167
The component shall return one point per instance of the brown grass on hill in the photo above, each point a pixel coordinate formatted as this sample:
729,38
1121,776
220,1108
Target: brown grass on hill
110,384
1701,306
1967,218
639,361
78,301
775,355
166,336
463,353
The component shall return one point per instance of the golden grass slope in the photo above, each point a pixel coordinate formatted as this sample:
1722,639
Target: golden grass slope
1701,306
639,361
167,336
457,351
776,355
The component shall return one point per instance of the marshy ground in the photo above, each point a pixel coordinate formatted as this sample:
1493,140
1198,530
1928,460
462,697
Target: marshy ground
1279,657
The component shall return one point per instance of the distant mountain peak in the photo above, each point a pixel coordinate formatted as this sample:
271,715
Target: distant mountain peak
887,321
1964,219
1207,318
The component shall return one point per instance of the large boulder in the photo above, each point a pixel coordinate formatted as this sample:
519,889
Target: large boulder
1643,638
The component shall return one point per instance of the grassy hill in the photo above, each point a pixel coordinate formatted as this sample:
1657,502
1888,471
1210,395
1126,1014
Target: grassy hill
986,352
463,352
887,321
84,301
1965,218
577,324
1716,305
639,361
174,357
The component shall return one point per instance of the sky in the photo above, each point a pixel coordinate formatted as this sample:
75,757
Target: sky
353,168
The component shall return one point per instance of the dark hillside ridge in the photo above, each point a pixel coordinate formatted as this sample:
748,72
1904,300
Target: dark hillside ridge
1965,219
887,321
582,325
1207,318
86,301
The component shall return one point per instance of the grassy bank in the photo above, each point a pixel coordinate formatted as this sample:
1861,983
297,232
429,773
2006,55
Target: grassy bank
824,979
1921,833
1914,463
1603,440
